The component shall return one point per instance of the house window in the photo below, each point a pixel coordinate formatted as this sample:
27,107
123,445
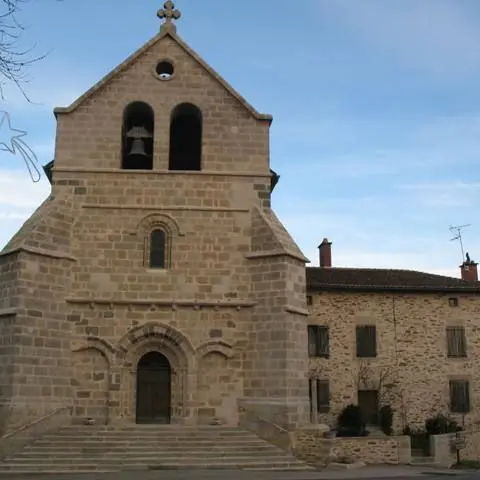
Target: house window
158,250
309,300
368,402
366,341
453,302
318,341
459,396
456,342
186,138
322,397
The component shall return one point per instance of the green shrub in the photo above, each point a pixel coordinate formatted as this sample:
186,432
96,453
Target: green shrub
441,424
350,422
386,419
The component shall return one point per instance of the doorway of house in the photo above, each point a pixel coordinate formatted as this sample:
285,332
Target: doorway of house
369,404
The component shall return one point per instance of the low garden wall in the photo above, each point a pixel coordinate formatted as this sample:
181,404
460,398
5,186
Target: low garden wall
310,446
443,449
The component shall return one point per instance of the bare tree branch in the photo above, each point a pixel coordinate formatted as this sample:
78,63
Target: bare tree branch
14,60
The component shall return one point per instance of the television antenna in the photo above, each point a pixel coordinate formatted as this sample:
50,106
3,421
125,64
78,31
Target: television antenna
457,231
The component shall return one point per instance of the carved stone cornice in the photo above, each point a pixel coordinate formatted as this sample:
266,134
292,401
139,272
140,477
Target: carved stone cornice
7,312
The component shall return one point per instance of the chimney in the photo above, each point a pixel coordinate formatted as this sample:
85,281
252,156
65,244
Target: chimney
325,250
469,270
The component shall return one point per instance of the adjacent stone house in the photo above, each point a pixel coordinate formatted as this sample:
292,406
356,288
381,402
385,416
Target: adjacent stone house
156,284
402,338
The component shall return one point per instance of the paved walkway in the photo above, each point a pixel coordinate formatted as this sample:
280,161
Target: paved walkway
384,473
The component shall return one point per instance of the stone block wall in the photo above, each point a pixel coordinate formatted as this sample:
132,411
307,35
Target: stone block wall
310,446
444,452
411,370
92,307
234,141
14,441
9,303
367,450
9,287
40,341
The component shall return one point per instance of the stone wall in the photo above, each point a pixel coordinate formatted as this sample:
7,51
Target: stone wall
41,341
444,452
234,141
219,316
310,446
411,370
368,450
16,440
9,302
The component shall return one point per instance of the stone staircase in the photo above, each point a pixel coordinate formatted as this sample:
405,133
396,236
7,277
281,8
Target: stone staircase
112,449
424,461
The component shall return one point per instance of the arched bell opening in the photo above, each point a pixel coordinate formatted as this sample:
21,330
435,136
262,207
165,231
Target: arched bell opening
138,137
154,389
186,138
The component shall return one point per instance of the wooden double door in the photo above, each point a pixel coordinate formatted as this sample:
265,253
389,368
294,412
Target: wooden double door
154,389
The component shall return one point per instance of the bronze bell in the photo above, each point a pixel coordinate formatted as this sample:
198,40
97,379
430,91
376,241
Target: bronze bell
138,145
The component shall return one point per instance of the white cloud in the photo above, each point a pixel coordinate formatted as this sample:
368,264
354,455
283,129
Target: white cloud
19,198
18,194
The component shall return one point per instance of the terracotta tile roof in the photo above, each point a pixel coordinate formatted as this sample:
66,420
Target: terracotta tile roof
374,279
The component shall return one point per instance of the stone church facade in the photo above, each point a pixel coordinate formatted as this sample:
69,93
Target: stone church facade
156,284
156,256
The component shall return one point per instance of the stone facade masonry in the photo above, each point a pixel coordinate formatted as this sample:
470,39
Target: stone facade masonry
79,305
411,370
309,445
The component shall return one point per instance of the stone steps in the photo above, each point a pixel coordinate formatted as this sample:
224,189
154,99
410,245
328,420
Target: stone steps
113,449
135,450
424,461
163,456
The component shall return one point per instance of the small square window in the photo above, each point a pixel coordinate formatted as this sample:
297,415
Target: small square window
453,302
309,300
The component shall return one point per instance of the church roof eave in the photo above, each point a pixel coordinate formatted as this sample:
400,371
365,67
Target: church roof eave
129,61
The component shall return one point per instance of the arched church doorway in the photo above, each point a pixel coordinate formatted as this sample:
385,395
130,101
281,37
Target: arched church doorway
154,381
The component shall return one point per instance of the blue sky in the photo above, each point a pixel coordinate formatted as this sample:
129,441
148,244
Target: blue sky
376,106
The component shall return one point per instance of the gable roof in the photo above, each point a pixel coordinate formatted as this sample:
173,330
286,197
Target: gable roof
164,32
377,279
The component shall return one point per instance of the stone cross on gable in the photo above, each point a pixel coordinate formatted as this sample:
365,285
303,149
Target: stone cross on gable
169,13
